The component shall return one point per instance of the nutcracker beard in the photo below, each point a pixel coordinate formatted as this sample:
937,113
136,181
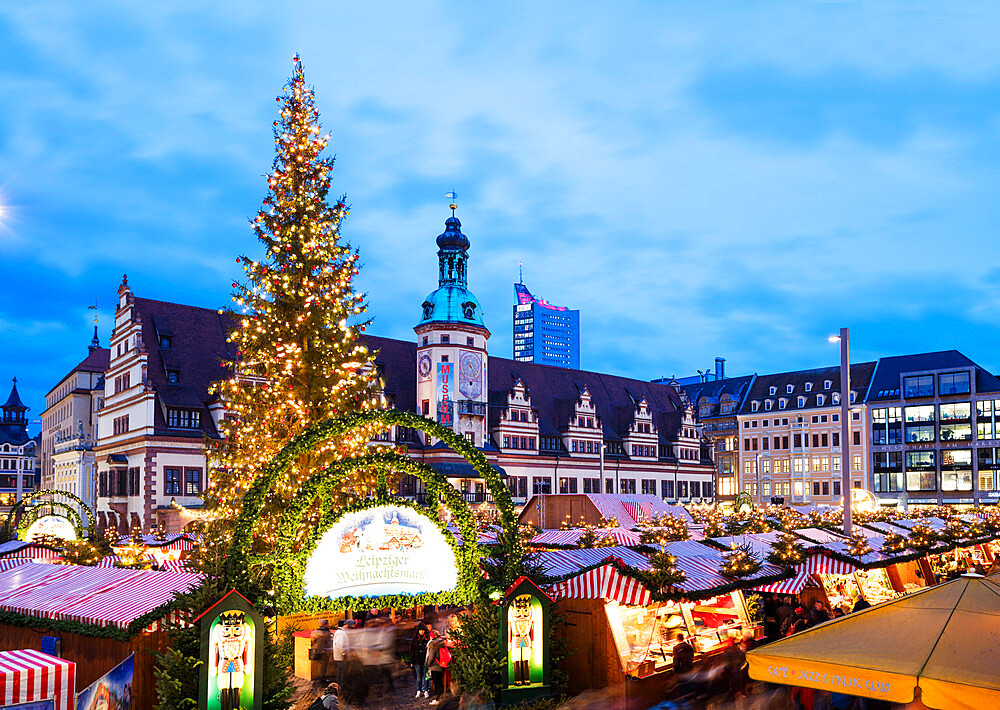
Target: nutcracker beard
522,638
232,658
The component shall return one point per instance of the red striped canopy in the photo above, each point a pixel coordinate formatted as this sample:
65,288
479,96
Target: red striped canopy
621,536
33,552
11,562
787,586
604,582
825,565
103,597
565,563
28,675
638,511
176,566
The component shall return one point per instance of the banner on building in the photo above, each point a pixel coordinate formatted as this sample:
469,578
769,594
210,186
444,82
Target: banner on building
446,413
112,691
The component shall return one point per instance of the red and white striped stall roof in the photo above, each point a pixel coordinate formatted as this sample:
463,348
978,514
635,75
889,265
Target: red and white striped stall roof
93,595
177,542
11,562
564,563
822,564
27,550
640,512
28,675
176,566
604,582
787,586
112,560
621,536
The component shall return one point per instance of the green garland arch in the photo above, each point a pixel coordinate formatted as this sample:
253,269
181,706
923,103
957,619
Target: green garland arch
30,514
287,563
20,506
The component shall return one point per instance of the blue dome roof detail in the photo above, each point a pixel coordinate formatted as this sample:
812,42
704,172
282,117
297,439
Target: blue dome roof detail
452,238
452,304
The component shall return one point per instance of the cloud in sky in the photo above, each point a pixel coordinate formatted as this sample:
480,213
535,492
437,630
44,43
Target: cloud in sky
735,179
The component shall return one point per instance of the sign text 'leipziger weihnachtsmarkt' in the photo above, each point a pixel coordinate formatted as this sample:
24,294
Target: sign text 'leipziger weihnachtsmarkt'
383,550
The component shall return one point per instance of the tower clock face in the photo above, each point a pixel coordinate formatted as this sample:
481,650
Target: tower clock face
470,375
424,366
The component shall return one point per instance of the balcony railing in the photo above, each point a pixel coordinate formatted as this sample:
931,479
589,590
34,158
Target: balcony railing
468,406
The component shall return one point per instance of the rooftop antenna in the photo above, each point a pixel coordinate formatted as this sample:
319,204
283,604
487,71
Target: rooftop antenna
453,196
520,272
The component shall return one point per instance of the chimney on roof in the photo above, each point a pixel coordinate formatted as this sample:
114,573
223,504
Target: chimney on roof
720,368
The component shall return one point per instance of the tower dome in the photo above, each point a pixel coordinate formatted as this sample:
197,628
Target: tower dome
452,301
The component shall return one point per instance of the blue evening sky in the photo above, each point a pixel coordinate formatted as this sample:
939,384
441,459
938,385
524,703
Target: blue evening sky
699,179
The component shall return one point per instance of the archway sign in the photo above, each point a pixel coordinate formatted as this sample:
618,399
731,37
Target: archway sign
383,551
743,504
42,504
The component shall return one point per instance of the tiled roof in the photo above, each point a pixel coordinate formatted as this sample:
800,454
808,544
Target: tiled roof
735,387
14,401
886,381
14,434
197,350
861,374
96,361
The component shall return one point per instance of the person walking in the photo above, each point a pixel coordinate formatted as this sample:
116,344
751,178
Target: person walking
319,649
340,650
435,652
418,659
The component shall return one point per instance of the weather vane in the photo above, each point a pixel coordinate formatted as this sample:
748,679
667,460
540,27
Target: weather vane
453,196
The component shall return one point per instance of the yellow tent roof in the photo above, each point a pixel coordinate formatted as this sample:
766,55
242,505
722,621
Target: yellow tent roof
944,639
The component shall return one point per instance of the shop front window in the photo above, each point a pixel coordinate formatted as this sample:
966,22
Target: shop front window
921,471
988,468
956,470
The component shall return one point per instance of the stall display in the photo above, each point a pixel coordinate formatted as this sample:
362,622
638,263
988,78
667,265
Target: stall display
841,589
875,585
645,635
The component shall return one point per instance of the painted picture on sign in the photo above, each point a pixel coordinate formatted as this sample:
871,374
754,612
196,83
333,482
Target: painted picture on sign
231,662
54,525
388,549
524,642
112,691
470,373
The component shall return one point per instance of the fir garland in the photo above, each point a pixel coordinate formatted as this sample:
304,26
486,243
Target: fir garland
287,565
32,502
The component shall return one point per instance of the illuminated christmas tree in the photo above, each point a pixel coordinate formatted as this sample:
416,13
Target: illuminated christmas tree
787,550
298,359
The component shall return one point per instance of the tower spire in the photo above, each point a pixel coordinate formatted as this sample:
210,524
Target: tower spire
95,343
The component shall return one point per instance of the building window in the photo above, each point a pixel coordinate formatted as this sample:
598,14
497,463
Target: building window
836,488
445,338
682,489
192,481
921,471
921,386
987,412
857,438
471,342
827,384
171,481
802,401
165,342
667,489
173,377
953,383
956,470
789,389
183,418
119,425
919,423
541,484
425,407
809,386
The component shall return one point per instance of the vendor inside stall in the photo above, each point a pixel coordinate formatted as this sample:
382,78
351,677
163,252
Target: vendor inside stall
645,635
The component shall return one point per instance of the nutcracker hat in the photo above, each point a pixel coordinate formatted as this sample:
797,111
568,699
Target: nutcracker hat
232,618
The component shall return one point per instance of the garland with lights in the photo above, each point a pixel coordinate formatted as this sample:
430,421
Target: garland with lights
954,531
739,562
297,532
668,528
33,500
39,510
786,551
594,536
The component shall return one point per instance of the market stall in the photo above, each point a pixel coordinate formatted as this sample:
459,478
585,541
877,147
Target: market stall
30,676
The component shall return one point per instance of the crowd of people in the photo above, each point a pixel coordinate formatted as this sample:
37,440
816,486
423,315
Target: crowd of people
361,653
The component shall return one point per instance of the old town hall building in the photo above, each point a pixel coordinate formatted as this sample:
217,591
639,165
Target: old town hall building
547,429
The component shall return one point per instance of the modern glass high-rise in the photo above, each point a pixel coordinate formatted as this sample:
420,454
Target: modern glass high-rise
544,333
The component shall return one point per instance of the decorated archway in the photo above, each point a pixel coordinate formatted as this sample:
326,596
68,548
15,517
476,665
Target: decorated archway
289,561
32,506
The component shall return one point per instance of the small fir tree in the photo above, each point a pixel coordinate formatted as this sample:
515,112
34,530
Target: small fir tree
297,357
787,550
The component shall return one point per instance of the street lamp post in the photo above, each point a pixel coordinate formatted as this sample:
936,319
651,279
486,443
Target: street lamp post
845,424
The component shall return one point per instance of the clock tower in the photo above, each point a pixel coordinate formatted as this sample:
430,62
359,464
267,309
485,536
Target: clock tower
451,344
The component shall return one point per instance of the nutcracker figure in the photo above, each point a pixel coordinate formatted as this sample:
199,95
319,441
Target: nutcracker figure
521,638
232,657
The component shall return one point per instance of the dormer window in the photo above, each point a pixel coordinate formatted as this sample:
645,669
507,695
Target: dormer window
802,401
854,396
789,389
428,309
836,397
173,377
768,404
782,403
754,406
165,342
469,310
809,386
820,399
773,390
827,384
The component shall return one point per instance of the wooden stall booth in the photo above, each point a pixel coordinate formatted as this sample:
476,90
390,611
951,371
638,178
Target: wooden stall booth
80,607
622,640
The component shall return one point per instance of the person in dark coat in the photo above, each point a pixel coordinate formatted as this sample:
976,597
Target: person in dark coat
860,604
683,655
818,614
418,658
782,613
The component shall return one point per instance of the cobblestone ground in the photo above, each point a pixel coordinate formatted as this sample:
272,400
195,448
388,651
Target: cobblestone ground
381,698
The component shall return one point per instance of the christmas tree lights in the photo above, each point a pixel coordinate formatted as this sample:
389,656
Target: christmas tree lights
739,562
787,550
893,543
296,354
858,546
